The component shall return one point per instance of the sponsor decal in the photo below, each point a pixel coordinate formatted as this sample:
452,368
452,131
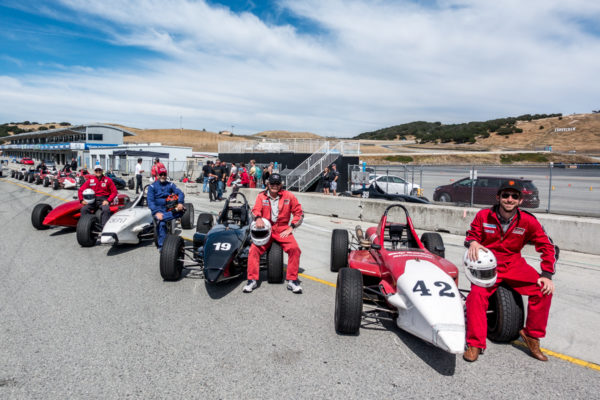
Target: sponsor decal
286,201
519,231
103,184
266,203
489,231
92,183
493,226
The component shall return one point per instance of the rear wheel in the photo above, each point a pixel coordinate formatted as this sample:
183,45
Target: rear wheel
46,181
21,176
445,198
55,184
39,213
204,223
348,301
88,230
30,178
339,249
131,184
434,243
275,264
171,258
12,173
38,180
187,220
505,315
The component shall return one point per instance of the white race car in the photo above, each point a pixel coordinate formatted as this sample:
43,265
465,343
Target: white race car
128,226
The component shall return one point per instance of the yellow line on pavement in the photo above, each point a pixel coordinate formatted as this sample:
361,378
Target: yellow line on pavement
312,278
35,190
570,359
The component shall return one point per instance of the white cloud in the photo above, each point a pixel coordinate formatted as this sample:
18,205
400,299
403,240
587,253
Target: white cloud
371,64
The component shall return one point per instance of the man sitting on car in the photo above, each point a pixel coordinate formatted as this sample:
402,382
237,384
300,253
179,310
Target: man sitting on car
165,201
105,191
504,230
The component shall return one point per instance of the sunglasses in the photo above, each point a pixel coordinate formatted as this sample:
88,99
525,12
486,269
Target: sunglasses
515,196
162,175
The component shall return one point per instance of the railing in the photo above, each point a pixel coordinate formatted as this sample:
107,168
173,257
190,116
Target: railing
311,168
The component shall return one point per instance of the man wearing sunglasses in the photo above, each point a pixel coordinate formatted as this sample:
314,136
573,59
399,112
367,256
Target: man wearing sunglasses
504,230
277,206
158,192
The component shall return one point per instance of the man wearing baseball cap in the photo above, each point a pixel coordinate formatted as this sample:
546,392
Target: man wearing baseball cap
277,206
157,202
504,230
105,191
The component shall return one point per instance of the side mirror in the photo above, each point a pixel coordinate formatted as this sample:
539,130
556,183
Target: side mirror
375,246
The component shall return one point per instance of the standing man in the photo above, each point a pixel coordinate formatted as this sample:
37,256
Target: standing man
165,200
333,178
221,172
138,176
504,230
73,164
205,170
105,191
154,171
276,205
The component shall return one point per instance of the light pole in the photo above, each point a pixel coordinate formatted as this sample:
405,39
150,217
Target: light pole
232,126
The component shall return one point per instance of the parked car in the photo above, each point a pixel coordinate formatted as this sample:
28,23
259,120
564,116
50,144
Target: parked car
391,184
485,189
26,160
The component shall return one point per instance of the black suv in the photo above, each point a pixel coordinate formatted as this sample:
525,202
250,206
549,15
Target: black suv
485,190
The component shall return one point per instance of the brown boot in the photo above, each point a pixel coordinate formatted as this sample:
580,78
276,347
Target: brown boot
472,353
534,346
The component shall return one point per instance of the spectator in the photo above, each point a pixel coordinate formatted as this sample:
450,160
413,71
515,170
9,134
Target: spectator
265,176
325,180
244,177
221,172
157,165
205,171
258,175
212,185
73,164
138,176
334,175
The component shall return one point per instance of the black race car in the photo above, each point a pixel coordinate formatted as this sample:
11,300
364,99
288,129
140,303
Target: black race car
373,191
120,182
220,248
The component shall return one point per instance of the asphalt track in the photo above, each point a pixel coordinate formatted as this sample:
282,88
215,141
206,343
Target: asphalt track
101,323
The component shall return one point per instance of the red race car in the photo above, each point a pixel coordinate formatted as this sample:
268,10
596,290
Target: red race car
26,160
44,216
393,271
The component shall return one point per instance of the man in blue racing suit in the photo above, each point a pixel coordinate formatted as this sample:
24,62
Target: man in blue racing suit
161,203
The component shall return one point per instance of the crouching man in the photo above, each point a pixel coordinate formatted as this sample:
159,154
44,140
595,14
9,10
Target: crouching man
276,206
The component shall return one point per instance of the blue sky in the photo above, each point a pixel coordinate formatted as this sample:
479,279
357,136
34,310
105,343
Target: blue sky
331,67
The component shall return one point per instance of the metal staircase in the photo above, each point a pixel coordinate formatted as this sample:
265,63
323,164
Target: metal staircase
310,169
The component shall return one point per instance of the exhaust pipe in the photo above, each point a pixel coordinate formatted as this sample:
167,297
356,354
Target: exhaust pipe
360,236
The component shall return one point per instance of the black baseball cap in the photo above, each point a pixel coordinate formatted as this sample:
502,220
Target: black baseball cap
511,184
275,179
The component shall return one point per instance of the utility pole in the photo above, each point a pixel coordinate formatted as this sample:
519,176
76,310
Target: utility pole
181,124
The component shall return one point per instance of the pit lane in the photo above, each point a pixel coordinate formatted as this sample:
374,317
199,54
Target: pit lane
101,323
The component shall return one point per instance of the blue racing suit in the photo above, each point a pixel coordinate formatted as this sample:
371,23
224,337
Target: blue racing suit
157,195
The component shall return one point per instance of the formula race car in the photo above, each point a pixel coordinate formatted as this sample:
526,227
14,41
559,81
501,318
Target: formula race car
120,182
130,225
67,214
374,191
219,251
396,272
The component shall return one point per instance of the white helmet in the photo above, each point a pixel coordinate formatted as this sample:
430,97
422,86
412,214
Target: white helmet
89,196
481,272
260,236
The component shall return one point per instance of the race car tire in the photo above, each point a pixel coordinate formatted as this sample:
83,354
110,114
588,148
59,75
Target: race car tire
339,250
55,184
348,301
21,176
46,181
131,184
39,213
445,198
30,178
12,173
275,264
88,227
38,180
434,243
171,258
187,220
204,223
505,315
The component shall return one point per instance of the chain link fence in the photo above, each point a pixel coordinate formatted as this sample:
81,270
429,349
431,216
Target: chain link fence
572,189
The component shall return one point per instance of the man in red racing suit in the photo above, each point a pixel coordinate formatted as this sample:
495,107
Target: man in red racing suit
277,206
105,191
504,230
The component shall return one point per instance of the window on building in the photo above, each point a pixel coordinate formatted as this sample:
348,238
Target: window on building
95,136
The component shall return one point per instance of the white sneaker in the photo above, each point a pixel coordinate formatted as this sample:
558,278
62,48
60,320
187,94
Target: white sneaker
294,286
250,286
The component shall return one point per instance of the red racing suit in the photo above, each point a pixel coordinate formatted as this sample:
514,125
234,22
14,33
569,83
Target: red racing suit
288,205
512,269
104,187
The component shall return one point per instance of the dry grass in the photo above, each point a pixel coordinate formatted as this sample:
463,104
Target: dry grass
467,159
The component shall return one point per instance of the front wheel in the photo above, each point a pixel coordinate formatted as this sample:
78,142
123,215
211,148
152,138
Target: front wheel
505,315
131,184
275,264
204,223
339,250
39,213
445,198
88,230
55,184
171,258
46,181
348,301
187,220
434,243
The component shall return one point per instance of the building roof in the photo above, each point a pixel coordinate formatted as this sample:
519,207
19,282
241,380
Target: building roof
75,129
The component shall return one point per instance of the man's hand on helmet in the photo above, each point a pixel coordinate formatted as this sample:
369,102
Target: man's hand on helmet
474,250
259,223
